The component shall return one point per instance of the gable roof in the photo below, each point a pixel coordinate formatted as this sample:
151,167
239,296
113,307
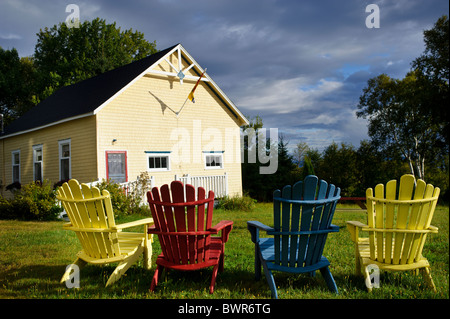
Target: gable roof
87,97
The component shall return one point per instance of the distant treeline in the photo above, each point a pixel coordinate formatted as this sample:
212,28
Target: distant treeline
350,168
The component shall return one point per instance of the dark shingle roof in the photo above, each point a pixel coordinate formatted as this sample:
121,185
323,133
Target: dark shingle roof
83,97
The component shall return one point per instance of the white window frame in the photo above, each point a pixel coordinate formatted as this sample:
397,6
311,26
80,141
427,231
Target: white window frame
167,155
35,149
60,145
13,164
216,154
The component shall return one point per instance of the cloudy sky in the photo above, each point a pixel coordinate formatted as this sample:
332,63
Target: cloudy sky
299,64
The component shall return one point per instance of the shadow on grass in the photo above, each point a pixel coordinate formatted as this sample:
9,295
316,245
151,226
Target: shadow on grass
43,281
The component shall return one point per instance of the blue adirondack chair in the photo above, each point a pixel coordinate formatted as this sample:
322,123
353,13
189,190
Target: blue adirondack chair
302,220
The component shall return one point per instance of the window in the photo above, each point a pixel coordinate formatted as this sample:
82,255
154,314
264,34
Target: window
37,163
116,166
65,170
15,166
158,161
213,160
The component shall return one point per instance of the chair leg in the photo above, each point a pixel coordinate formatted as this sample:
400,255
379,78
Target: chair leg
78,262
156,277
257,263
270,281
123,267
367,279
213,279
221,261
357,264
329,279
148,254
426,274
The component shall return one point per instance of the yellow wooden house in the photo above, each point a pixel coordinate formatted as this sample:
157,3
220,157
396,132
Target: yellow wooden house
141,117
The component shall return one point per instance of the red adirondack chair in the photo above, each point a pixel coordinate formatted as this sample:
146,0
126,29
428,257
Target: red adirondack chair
183,225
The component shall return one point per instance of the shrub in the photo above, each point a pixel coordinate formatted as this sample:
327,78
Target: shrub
6,209
137,193
120,201
127,202
245,203
33,201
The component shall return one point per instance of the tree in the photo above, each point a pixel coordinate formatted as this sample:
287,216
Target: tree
17,79
410,116
338,166
433,72
373,168
308,168
285,173
65,56
258,185
314,157
300,152
252,181
396,123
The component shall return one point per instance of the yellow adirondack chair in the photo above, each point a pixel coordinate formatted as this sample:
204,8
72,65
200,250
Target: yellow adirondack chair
103,242
398,224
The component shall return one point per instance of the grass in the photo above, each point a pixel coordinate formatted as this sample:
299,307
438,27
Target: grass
33,257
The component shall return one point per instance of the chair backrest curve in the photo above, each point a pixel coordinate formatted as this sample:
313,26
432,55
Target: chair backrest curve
182,219
91,217
399,219
302,216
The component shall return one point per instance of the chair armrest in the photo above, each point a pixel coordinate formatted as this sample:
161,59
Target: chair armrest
254,227
145,221
67,225
221,225
334,228
225,226
259,225
356,224
433,229
354,227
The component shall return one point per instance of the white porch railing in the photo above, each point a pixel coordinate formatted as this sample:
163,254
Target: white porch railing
133,187
216,183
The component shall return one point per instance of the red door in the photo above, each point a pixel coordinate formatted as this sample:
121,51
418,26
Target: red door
116,166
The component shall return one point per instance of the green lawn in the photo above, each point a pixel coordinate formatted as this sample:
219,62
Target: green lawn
33,257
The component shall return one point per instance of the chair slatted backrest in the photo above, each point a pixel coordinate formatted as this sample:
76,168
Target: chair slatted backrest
91,216
182,220
398,218
302,217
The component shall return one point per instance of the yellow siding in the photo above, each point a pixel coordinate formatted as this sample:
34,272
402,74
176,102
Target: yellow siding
82,134
142,119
